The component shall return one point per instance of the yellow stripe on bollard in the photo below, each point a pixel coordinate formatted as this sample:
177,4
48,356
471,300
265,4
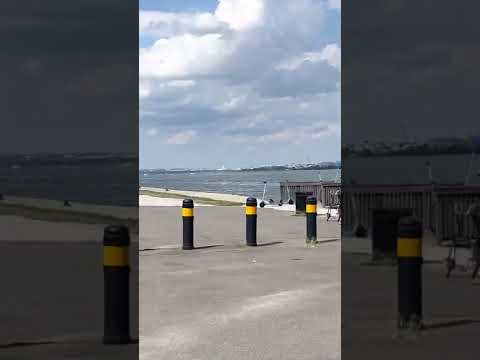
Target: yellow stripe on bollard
311,208
251,210
115,255
186,212
409,247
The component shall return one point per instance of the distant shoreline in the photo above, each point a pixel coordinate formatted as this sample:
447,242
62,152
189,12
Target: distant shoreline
266,168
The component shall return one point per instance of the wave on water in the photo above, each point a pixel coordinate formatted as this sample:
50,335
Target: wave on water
249,183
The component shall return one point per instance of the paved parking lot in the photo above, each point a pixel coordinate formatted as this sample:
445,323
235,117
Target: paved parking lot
52,291
451,310
280,300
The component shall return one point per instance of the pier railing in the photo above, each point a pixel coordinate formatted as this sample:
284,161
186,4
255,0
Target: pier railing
434,205
323,191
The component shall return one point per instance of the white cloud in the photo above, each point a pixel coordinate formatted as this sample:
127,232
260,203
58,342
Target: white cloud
152,132
162,24
248,70
257,34
183,56
181,138
229,14
231,104
335,4
331,54
296,135
240,14
277,136
143,91
181,83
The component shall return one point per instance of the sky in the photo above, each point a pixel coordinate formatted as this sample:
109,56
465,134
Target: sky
69,77
238,83
408,74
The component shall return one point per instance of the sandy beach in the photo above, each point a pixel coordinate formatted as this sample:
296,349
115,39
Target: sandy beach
208,195
146,200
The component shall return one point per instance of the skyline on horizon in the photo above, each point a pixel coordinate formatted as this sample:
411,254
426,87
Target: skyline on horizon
246,168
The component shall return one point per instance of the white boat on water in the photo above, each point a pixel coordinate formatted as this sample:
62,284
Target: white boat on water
222,168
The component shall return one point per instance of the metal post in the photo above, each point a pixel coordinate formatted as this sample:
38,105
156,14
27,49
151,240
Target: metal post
187,215
251,215
409,254
311,210
116,242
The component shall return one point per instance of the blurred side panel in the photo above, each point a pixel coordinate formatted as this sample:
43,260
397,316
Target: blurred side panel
68,169
410,82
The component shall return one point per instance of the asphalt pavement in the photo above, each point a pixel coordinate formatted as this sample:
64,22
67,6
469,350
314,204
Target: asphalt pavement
223,300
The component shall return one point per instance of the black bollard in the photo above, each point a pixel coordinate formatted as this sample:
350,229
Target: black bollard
409,254
251,214
116,242
311,210
187,215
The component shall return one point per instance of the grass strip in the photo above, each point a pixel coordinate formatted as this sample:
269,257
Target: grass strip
198,200
57,215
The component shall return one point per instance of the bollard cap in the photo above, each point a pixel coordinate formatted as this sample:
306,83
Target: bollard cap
312,200
116,235
251,201
409,227
187,203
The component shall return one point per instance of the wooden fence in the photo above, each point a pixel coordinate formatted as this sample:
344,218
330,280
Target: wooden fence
434,205
323,191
